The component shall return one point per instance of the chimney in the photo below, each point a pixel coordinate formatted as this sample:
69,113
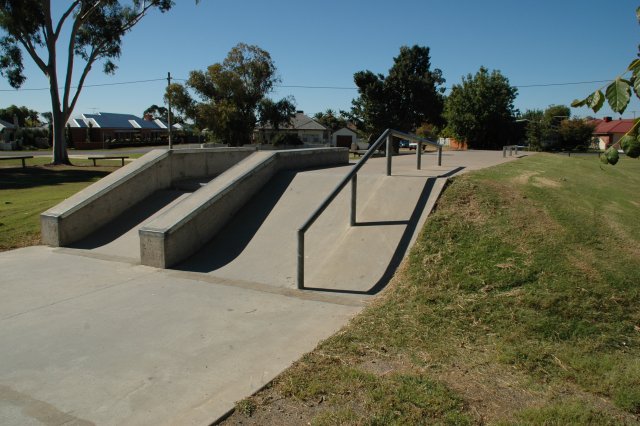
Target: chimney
299,112
607,119
148,117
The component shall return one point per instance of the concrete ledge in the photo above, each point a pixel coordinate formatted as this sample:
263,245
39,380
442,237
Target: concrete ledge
184,229
93,207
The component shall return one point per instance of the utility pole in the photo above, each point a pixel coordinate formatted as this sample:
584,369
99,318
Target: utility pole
169,109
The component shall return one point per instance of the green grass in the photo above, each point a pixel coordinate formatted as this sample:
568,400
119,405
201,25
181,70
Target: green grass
44,160
519,304
25,193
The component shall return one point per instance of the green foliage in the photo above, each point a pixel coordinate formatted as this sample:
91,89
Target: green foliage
409,96
230,93
275,114
331,120
162,113
630,145
480,111
286,139
26,117
575,134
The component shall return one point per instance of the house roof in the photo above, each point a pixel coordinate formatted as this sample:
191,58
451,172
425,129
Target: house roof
109,120
604,127
300,121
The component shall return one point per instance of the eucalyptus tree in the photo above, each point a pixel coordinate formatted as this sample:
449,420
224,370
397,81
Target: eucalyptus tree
228,96
61,40
409,96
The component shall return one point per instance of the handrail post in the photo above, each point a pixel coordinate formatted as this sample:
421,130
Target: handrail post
354,196
504,152
389,147
516,149
440,155
419,154
300,280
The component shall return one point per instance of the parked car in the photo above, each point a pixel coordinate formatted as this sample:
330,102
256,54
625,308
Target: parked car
404,144
414,146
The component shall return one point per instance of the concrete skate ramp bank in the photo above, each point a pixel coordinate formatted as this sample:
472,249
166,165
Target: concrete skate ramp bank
98,204
189,225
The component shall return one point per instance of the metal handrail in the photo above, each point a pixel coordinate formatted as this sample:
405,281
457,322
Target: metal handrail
353,177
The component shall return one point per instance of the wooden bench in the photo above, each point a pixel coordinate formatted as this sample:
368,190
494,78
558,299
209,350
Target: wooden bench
17,157
107,157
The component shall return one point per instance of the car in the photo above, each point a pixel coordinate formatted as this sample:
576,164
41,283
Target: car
404,144
414,146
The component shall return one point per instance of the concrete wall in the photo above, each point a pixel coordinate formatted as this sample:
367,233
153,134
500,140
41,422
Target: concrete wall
185,228
95,206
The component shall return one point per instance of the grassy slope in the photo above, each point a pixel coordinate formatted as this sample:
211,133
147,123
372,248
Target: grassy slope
520,303
25,193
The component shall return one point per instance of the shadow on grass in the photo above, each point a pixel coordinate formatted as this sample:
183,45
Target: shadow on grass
30,177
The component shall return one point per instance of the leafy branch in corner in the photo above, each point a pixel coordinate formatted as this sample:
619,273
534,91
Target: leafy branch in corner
618,95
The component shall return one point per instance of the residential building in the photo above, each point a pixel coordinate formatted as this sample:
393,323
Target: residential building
308,130
103,128
609,131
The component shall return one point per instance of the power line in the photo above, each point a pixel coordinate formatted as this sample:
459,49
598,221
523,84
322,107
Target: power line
86,85
284,86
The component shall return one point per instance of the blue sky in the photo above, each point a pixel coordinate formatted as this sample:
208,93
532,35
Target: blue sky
325,43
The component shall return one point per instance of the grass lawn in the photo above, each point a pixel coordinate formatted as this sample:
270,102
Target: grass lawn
519,304
25,193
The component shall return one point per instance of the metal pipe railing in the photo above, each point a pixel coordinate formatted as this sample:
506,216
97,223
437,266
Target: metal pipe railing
352,177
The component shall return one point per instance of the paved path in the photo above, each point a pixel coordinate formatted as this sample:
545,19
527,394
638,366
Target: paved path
92,337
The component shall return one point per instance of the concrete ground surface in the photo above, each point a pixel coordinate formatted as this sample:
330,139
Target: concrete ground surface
93,337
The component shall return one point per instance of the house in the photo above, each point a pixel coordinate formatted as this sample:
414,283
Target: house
306,128
102,128
608,131
344,137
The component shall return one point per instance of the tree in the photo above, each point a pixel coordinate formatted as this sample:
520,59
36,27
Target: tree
275,114
617,93
229,93
412,94
162,113
95,31
480,111
26,117
575,134
331,120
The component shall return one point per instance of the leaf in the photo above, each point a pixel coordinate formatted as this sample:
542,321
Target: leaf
618,95
595,100
638,14
636,85
578,103
612,155
634,66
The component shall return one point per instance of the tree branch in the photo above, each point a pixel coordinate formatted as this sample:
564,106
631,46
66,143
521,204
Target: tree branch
85,72
28,46
70,58
64,17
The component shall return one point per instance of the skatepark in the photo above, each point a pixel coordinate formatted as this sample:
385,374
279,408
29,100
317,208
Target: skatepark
167,290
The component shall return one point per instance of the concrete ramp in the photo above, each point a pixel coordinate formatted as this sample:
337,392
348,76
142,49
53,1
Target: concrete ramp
259,245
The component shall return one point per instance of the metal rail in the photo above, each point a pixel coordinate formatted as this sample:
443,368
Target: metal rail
352,177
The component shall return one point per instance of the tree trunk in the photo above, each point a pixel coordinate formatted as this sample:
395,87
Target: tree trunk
60,155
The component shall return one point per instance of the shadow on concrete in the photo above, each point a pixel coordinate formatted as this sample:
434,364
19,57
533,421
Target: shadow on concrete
401,249
131,218
231,241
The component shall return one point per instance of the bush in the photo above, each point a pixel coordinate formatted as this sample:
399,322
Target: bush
286,139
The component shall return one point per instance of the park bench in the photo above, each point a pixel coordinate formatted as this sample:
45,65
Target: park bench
107,157
17,157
